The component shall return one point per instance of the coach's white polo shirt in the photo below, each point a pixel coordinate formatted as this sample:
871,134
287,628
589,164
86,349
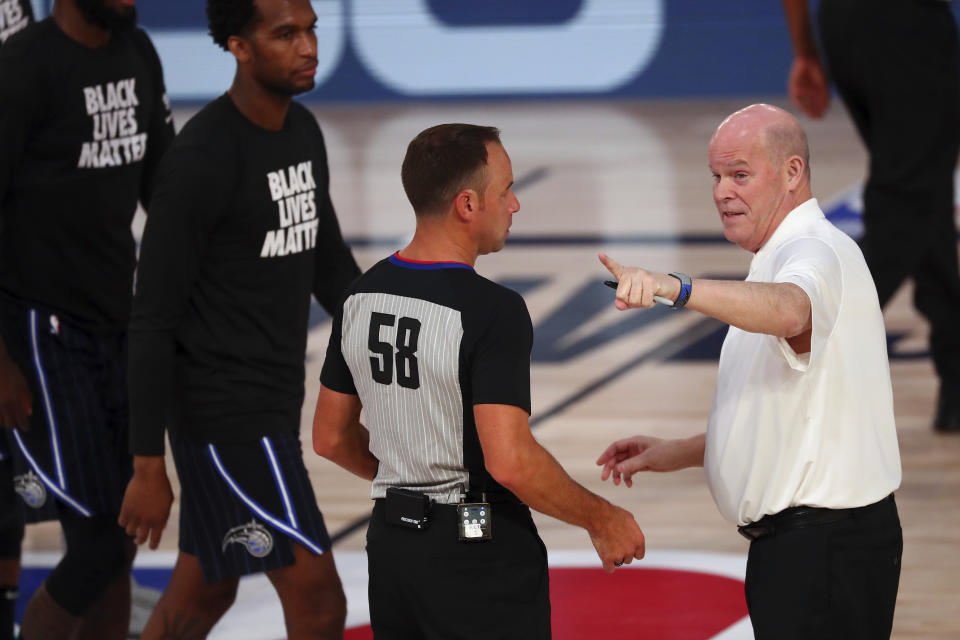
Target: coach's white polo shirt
814,429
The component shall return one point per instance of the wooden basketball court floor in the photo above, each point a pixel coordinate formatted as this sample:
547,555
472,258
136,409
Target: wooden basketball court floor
630,179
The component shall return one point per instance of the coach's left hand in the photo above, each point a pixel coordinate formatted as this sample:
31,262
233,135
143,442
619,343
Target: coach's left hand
146,504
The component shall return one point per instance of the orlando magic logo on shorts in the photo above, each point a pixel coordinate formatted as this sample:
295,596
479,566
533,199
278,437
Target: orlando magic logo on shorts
29,487
253,536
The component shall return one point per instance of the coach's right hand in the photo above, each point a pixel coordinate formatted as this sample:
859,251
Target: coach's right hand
617,538
16,403
146,504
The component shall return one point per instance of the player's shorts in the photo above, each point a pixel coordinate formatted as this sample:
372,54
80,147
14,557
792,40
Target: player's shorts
244,505
427,585
75,454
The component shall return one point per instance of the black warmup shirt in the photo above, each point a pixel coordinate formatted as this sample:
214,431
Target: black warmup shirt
15,15
82,131
421,344
241,230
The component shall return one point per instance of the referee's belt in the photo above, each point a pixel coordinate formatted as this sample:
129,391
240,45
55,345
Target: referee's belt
799,517
493,497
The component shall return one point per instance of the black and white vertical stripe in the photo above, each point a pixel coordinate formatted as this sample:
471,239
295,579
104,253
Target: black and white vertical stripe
417,434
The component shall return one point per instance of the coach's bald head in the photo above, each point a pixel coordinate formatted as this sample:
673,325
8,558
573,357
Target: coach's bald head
761,167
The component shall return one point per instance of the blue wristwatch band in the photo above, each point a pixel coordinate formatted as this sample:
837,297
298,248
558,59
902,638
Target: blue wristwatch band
686,287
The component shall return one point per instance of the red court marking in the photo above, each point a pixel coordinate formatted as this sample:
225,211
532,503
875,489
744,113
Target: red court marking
636,603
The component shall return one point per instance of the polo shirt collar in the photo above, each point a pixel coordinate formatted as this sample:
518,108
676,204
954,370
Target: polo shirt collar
802,215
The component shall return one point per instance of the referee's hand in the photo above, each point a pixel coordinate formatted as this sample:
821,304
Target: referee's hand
146,504
617,537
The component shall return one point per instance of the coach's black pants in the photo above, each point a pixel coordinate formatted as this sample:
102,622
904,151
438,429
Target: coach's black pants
425,585
835,581
896,64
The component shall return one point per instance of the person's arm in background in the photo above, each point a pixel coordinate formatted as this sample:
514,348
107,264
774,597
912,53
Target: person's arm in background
807,82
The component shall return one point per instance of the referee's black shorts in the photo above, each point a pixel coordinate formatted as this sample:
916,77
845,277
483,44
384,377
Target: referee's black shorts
428,585
244,505
75,454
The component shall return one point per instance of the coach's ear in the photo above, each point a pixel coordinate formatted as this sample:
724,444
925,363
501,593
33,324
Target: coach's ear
794,172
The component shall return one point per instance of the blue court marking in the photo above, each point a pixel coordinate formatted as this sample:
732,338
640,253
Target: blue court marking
48,405
281,482
257,509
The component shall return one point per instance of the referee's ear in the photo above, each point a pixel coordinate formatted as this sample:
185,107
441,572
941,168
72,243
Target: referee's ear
466,204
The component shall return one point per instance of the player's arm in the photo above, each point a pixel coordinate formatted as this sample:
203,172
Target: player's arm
517,461
334,265
160,131
187,203
17,109
339,436
807,82
778,309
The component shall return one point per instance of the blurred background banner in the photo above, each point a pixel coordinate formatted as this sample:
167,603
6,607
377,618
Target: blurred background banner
377,50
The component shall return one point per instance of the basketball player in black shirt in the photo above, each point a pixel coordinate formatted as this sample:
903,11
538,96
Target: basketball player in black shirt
83,122
439,359
15,15
241,231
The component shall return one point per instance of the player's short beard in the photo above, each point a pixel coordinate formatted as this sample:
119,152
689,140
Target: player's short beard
281,86
285,88
96,12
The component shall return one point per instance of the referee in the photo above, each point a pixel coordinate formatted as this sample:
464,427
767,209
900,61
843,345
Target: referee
439,359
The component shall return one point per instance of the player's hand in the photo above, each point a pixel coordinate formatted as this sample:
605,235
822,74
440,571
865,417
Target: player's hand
16,403
807,86
617,538
146,503
636,287
625,457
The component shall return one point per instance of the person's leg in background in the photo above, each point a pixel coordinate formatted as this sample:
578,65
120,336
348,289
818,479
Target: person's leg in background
905,103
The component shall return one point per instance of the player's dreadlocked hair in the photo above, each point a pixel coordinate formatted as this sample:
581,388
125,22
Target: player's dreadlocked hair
230,18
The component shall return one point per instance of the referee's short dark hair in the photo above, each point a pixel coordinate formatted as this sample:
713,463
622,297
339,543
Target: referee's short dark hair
227,18
444,160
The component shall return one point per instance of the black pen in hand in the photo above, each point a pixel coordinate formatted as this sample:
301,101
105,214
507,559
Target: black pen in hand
613,284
